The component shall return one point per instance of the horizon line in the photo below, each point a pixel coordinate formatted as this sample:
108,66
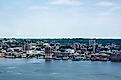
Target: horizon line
60,37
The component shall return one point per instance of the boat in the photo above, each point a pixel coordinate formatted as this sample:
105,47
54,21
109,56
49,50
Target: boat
76,59
65,58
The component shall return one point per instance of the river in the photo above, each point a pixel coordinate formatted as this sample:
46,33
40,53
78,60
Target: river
38,69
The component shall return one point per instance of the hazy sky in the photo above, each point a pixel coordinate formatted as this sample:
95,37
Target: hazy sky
60,18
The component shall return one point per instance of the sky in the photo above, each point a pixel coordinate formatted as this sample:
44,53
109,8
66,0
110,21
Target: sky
60,18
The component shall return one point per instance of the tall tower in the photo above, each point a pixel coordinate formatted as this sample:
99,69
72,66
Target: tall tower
94,45
48,52
90,42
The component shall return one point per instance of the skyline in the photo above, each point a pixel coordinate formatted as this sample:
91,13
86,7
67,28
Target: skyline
60,18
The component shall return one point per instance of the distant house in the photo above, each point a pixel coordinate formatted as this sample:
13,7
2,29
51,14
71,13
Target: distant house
116,57
2,54
100,57
76,57
65,55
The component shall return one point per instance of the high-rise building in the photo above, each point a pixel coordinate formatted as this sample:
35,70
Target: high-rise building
48,52
92,43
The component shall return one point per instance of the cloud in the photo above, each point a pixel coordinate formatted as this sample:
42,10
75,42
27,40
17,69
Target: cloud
66,2
116,8
39,8
105,4
110,7
104,14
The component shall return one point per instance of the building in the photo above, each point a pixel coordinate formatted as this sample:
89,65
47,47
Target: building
2,54
57,55
65,55
92,43
116,57
26,47
48,52
100,57
76,57
76,46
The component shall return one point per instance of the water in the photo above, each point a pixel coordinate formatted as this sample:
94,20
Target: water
37,69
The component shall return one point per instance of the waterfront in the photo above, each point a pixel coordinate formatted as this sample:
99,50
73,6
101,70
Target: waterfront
38,69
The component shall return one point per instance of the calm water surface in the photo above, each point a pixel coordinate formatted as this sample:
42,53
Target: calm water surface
37,69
